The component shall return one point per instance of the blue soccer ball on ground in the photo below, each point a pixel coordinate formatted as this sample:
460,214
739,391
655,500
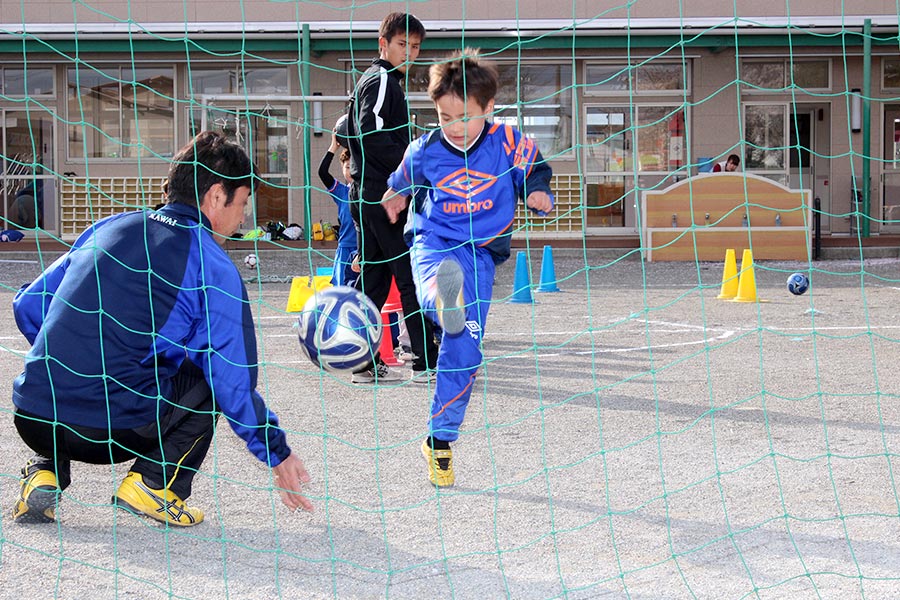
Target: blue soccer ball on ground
340,329
797,284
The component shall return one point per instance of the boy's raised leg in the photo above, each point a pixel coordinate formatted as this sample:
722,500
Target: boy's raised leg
451,308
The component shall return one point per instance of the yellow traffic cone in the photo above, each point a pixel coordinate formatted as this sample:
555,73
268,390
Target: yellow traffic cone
302,288
747,283
729,277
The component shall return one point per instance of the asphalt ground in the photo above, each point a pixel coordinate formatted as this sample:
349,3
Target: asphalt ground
630,436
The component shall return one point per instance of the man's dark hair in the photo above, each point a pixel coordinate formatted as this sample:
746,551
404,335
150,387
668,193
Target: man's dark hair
203,162
398,23
734,159
464,75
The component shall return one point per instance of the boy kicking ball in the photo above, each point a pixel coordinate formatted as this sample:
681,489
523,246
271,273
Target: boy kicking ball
467,177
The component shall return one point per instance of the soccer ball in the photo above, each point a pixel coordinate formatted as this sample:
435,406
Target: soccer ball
250,261
797,284
339,329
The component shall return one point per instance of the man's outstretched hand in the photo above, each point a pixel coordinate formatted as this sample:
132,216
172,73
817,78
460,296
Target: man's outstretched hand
290,475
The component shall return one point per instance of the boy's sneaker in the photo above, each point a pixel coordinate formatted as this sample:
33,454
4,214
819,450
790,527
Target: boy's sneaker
38,496
162,505
423,377
440,465
380,373
450,304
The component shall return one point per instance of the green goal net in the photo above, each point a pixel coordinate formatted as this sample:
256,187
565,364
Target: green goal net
656,414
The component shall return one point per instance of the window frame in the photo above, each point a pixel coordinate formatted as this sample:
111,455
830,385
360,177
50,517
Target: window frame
633,134
72,120
884,60
786,63
419,101
592,91
237,73
24,67
745,160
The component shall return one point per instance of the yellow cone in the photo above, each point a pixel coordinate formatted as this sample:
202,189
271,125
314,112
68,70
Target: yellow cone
747,283
304,287
729,277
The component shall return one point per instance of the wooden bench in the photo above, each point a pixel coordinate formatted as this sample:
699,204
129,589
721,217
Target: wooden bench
701,217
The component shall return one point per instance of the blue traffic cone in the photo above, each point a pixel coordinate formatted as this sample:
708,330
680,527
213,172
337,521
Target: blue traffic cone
548,273
522,284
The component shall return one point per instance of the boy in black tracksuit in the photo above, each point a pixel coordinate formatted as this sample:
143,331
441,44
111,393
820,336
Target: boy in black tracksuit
378,134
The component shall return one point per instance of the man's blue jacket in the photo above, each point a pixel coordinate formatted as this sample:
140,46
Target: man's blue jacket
112,320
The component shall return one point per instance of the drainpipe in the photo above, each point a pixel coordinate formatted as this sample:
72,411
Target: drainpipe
866,124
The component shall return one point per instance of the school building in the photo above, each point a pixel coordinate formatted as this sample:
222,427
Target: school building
98,96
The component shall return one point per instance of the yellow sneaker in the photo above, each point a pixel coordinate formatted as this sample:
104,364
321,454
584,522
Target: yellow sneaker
162,505
440,465
38,497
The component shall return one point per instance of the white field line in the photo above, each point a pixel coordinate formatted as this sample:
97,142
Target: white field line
662,327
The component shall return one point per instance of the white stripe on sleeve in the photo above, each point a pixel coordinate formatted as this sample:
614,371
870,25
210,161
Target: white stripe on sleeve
382,91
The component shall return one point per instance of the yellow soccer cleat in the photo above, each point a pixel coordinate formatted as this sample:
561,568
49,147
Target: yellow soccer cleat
440,465
38,497
162,505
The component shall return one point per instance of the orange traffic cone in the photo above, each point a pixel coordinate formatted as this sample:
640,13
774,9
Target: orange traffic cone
391,305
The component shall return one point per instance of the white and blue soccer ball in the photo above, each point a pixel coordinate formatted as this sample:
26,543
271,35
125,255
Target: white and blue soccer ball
797,284
340,329
250,261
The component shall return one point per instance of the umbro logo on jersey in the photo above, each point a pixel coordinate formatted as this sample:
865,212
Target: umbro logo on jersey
466,183
468,206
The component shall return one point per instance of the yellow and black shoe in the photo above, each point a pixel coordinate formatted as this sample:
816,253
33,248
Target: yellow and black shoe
440,465
162,505
38,497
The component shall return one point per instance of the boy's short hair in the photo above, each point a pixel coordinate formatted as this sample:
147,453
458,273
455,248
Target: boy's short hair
206,160
735,159
398,23
465,75
345,156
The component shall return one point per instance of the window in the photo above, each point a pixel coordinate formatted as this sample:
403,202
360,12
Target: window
31,82
643,79
239,80
778,75
121,112
608,139
890,73
658,136
765,135
604,79
812,74
537,99
534,98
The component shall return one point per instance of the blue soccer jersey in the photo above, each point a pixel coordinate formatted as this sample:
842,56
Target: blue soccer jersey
464,198
340,193
471,196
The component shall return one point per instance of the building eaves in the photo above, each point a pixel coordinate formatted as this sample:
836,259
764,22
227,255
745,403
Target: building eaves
450,28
